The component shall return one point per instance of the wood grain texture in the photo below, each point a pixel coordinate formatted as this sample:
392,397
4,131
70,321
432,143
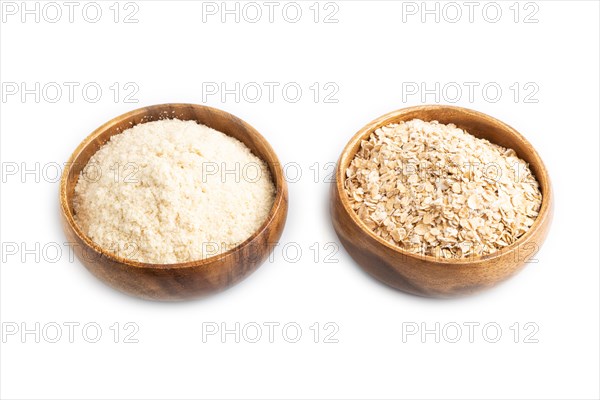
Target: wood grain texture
183,280
427,275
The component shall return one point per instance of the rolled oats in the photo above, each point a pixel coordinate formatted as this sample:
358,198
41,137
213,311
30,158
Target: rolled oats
437,190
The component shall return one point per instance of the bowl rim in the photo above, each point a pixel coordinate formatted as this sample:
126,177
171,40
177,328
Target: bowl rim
345,158
277,178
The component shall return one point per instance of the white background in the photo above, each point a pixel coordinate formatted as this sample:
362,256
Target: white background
371,54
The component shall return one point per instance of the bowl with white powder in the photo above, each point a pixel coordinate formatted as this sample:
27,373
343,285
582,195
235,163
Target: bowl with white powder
441,201
173,201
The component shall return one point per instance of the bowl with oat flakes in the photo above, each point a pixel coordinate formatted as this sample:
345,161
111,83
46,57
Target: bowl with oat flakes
441,201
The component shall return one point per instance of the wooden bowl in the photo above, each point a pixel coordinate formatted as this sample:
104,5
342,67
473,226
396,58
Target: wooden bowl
183,280
427,275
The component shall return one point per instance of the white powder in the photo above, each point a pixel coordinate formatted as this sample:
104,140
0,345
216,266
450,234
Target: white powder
172,191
